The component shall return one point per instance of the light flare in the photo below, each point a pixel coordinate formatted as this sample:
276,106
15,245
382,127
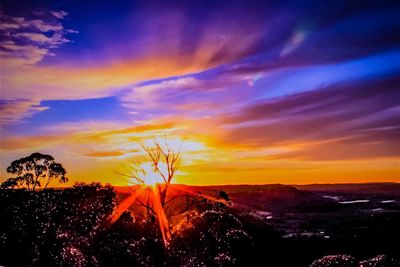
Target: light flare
161,217
125,204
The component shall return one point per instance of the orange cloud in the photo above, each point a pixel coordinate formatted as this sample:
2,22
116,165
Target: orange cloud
104,154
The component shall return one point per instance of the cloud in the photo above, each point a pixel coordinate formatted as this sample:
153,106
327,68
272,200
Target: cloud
39,142
104,154
288,80
360,115
199,92
12,111
298,36
180,65
59,14
27,40
92,142
52,42
91,134
152,95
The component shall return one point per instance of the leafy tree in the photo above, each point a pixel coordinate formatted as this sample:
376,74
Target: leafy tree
13,182
223,195
34,171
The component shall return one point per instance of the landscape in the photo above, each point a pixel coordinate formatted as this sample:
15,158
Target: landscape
199,133
235,225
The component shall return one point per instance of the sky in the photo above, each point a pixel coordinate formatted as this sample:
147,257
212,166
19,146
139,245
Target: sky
254,92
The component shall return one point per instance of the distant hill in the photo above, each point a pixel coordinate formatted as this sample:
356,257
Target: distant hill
273,197
388,189
278,197
261,197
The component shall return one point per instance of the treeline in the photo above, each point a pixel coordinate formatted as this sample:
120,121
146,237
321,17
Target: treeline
74,227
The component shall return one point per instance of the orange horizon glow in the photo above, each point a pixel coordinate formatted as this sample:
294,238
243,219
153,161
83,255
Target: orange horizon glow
204,163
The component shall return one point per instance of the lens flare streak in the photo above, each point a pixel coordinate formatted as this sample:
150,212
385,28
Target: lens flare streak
161,217
125,204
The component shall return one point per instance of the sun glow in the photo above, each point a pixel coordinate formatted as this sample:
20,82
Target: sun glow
152,172
152,164
149,175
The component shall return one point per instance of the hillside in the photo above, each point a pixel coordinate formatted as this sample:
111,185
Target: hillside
389,189
248,197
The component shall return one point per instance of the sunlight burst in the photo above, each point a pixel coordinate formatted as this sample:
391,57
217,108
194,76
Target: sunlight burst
149,175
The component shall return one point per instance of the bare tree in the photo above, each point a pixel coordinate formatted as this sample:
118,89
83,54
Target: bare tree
164,160
163,153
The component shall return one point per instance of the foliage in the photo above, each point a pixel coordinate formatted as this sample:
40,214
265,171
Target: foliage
380,261
129,242
74,227
335,261
212,237
48,227
349,261
223,195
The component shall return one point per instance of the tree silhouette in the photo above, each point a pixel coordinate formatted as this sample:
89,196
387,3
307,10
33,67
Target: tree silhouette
164,160
163,153
33,171
223,195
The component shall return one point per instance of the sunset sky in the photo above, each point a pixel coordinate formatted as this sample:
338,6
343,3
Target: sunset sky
259,92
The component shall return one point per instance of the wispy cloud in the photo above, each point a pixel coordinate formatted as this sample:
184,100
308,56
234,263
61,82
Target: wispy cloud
27,40
12,111
362,114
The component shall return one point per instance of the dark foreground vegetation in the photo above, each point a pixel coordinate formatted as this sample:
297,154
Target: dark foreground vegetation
74,227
